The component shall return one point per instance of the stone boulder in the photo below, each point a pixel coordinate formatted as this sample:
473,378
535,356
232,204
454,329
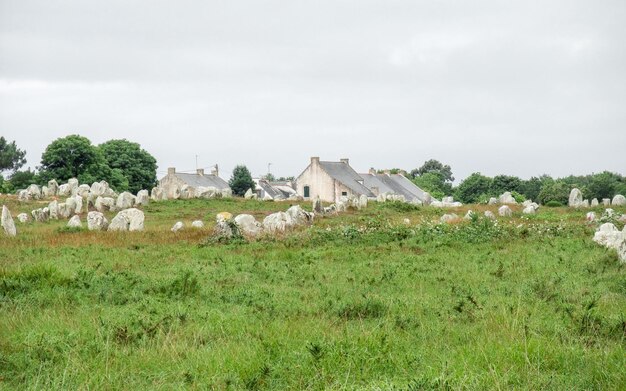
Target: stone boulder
70,204
22,217
78,209
23,195
158,194
197,224
104,204
590,217
64,190
124,201
73,184
594,202
609,236
317,205
249,195
178,226
98,188
507,198
469,215
505,211
41,215
492,201
248,225
52,188
127,220
489,214
143,198
606,201
187,192
529,210
64,211
575,198
53,208
618,200
276,222
362,202
34,191
448,218
7,222
298,216
96,221
75,222
206,192
223,216
83,191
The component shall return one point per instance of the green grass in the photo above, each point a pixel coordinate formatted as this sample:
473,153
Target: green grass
357,301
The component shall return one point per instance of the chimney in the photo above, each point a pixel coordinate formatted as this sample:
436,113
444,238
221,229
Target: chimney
171,170
372,171
315,160
215,171
345,160
200,171
375,190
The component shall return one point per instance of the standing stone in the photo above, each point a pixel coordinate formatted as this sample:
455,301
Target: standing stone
448,218
96,221
489,214
362,202
505,211
223,216
64,211
125,200
83,190
507,198
79,204
249,194
73,184
34,192
427,199
584,204
248,225
469,215
103,204
64,190
143,198
197,224
594,202
298,216
590,217
606,201
317,205
157,194
7,222
206,192
187,192
575,198
529,210
41,215
53,207
178,226
70,204
276,222
618,200
53,188
75,222
23,195
22,217
128,220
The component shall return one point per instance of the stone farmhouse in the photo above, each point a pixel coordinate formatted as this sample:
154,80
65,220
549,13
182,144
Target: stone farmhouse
174,181
331,180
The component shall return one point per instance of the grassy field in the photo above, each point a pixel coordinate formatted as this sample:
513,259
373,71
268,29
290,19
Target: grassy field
357,301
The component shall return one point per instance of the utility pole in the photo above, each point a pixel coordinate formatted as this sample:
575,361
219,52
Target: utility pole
196,162
268,169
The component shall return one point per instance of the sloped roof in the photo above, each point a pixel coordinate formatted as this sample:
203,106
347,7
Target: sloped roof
409,185
269,189
195,180
372,180
394,183
343,173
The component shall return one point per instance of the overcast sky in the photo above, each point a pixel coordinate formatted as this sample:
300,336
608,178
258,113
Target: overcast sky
501,87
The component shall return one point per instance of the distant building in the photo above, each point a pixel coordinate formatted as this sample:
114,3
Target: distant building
174,181
330,180
396,184
267,190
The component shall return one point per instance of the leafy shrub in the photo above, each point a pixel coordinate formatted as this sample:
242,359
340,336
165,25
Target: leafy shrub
553,204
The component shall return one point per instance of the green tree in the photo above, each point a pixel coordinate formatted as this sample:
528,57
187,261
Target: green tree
241,180
70,157
502,183
554,191
435,167
136,165
473,188
530,188
11,157
433,184
603,185
23,179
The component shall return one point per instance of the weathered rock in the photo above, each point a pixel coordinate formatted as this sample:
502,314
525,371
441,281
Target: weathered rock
505,211
103,204
436,204
187,192
143,198
83,191
63,211
158,194
492,201
529,210
448,218
469,215
606,201
23,195
79,204
584,204
362,202
342,204
299,216
206,192
331,209
64,190
128,220
223,216
34,191
489,214
75,222
70,204
590,217
73,184
608,213
124,201
427,199
618,200
507,198
276,222
41,215
197,224
406,221
96,221
53,188
178,226
575,198
622,219
249,194
53,207
594,202
608,235
7,222
317,205
99,188
22,217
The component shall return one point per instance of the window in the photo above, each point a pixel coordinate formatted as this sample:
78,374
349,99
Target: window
344,193
307,191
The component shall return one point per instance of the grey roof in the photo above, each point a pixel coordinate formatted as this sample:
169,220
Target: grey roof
394,183
343,173
270,190
195,180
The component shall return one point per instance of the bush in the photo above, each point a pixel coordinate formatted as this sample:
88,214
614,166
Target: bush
553,204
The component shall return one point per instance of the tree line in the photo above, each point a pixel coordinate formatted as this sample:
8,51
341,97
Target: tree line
122,163
436,178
